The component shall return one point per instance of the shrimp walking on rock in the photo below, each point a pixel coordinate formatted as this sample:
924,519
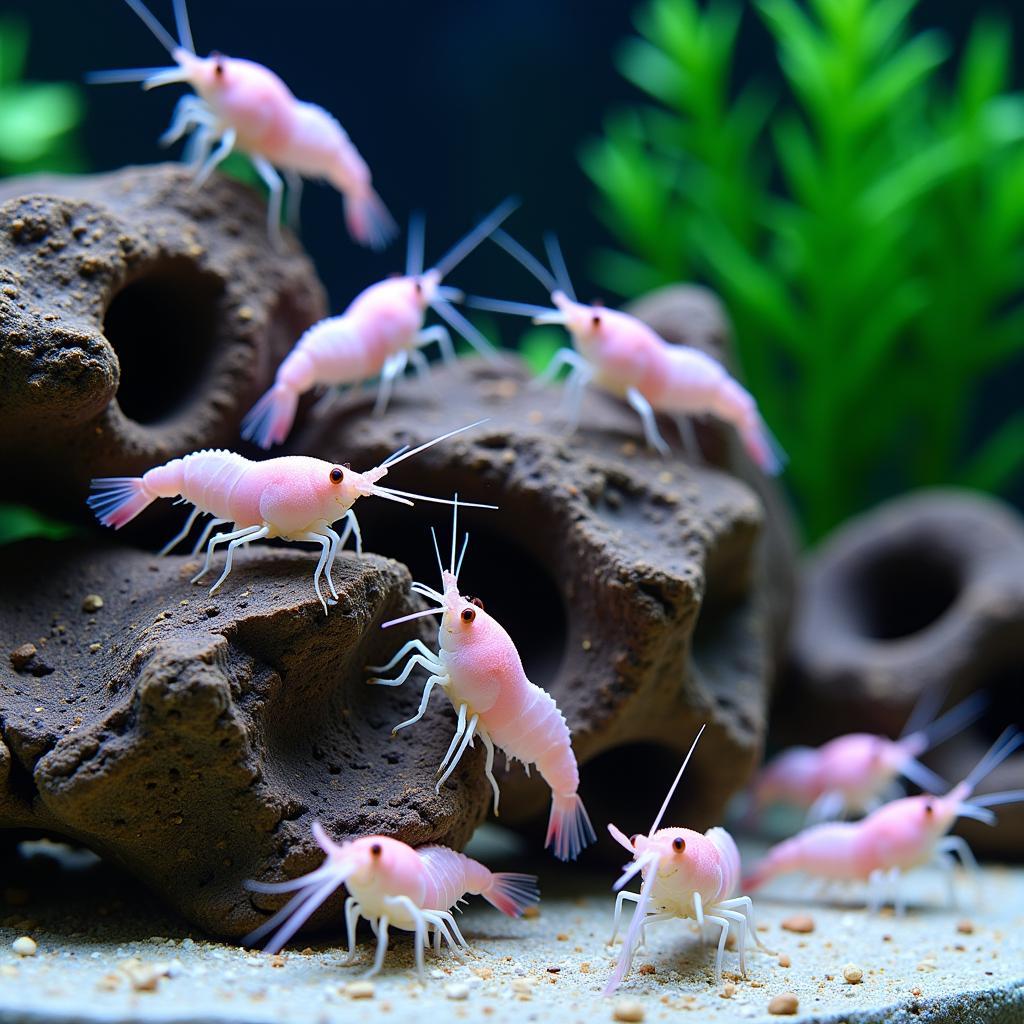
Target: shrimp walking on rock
294,498
685,875
393,885
898,837
378,335
239,104
620,354
479,668
855,772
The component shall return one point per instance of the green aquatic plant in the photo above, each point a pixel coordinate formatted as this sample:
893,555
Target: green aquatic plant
862,215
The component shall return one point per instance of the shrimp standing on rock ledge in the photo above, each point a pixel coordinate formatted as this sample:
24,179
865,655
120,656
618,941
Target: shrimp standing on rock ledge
478,666
293,498
379,333
243,105
392,884
899,836
625,357
685,874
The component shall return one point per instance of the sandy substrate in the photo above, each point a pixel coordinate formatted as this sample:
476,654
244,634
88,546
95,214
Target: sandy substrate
107,952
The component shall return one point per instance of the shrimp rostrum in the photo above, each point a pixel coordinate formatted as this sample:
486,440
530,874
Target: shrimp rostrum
380,333
392,885
479,668
901,835
858,771
294,498
241,105
621,355
685,874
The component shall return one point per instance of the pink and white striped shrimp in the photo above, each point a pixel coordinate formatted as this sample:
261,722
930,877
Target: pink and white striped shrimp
295,498
853,773
479,668
898,837
380,332
620,354
393,885
239,104
685,875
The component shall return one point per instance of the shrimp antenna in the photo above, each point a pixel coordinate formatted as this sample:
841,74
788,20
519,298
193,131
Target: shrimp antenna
955,719
925,710
401,456
455,529
458,252
409,618
459,323
1010,739
154,26
119,76
462,555
672,788
437,552
505,306
415,245
525,259
558,265
183,26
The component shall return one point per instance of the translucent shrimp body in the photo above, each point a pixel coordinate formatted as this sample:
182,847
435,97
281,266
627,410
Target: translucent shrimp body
479,668
685,875
295,498
392,885
239,104
622,355
897,837
378,335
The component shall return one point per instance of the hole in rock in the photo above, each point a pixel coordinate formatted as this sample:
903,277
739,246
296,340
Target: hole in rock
163,326
903,591
514,583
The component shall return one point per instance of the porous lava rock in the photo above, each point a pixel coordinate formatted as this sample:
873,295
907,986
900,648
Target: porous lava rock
194,739
139,320
634,586
924,591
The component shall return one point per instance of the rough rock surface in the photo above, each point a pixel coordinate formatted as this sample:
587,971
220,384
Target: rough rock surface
634,586
925,591
139,320
194,739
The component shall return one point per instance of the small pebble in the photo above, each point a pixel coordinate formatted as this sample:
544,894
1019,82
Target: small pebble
927,965
784,1004
784,960
92,603
802,923
456,991
628,1010
22,655
359,990
728,990
648,969
965,927
24,946
853,974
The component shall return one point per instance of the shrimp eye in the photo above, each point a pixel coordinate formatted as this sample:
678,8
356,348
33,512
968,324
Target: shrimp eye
468,614
679,844
477,602
376,849
419,287
595,320
337,475
633,839
929,808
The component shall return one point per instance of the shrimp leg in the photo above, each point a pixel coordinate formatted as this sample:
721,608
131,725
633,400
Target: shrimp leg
633,897
220,154
351,919
265,169
489,768
419,928
294,182
254,533
651,434
423,704
419,362
393,367
412,645
205,535
382,945
740,923
353,524
443,338
723,936
745,906
182,533
460,728
467,739
326,544
417,659
563,357
222,538
336,543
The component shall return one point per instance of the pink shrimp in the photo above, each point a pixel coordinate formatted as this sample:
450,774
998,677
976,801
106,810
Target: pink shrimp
623,356
685,875
393,885
239,104
478,667
899,836
379,333
294,498
852,773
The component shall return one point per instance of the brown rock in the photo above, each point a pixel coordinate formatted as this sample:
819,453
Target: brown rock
924,591
801,923
785,1004
139,320
200,743
634,586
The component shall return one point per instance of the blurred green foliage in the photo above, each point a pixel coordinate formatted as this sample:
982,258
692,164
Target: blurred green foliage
38,123
862,215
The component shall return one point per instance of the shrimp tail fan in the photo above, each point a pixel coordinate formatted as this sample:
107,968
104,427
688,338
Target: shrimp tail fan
270,420
569,828
117,500
368,220
512,893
